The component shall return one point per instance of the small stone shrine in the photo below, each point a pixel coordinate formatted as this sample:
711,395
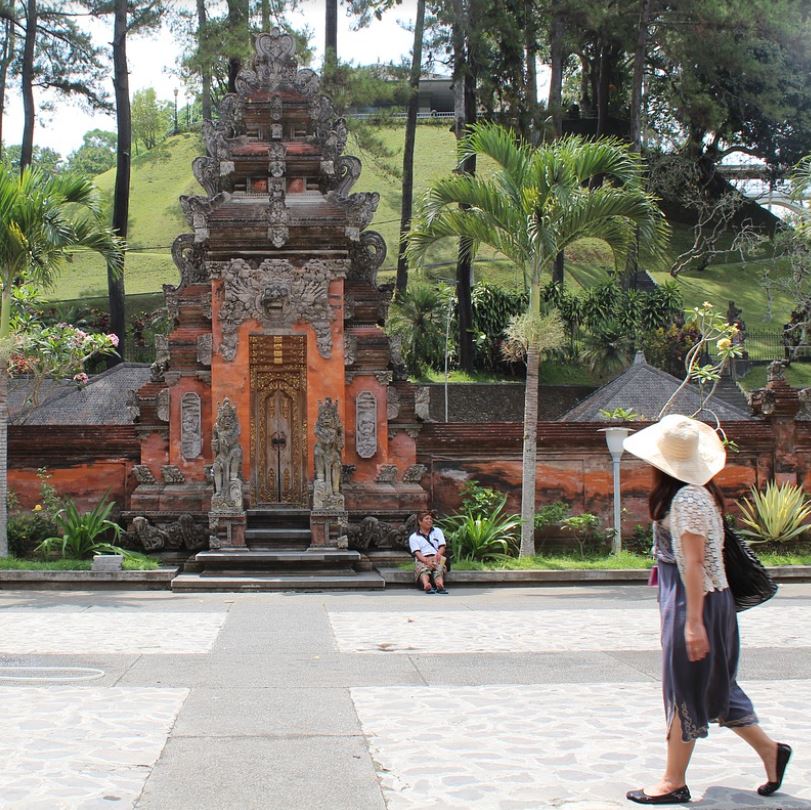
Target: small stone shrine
274,401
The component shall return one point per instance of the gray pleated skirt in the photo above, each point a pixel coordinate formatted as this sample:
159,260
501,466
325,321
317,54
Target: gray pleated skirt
705,691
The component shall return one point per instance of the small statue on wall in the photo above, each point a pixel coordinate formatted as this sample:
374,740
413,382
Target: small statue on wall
329,443
227,467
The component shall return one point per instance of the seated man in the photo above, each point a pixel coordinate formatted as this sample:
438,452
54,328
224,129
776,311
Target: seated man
427,546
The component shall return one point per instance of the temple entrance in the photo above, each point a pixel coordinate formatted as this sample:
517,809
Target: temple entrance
278,419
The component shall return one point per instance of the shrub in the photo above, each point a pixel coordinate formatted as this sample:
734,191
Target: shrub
585,528
479,500
81,533
552,514
776,515
27,530
481,532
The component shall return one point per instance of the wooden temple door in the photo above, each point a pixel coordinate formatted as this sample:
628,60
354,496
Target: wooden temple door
278,419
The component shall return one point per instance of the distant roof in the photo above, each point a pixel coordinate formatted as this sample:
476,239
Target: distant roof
102,401
645,389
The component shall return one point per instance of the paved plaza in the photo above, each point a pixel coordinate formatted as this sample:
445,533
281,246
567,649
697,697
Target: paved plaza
487,699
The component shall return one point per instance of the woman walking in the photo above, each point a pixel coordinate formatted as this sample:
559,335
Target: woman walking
700,641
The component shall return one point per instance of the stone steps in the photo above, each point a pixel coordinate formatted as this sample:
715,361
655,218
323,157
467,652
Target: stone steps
355,581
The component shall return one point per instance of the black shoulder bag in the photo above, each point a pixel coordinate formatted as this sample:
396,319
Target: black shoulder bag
749,581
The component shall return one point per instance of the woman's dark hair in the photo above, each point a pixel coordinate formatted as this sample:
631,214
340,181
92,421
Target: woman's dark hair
665,488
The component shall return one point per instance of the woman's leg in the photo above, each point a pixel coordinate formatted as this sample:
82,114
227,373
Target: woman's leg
765,746
678,758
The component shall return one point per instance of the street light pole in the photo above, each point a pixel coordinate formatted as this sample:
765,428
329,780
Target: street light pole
614,436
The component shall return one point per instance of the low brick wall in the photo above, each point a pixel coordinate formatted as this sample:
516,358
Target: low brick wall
573,465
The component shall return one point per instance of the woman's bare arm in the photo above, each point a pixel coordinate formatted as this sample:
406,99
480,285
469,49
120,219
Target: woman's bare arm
695,634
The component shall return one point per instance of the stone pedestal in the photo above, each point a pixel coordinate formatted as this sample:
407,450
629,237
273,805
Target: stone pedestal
326,526
227,530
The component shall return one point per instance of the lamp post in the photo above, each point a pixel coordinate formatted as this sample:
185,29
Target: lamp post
614,436
176,129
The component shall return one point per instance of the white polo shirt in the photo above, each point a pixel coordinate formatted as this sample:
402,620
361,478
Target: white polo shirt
427,546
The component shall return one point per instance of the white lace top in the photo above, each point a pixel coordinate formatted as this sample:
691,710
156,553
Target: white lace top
694,510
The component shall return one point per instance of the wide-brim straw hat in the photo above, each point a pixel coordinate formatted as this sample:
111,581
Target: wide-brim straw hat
684,448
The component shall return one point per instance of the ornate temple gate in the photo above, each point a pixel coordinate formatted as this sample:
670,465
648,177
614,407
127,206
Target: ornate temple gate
278,374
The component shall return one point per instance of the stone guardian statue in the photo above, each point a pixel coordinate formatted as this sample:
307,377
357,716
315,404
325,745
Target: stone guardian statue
227,467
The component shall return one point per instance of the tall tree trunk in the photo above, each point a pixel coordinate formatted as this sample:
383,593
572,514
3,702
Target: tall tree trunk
29,112
205,64
555,102
602,90
531,132
640,53
530,449
408,148
464,88
265,16
238,38
7,54
121,193
631,275
331,36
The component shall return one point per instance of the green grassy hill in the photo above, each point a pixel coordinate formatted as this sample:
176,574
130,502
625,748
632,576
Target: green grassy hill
160,176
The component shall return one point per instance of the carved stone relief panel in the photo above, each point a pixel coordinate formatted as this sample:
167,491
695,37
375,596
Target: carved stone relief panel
191,426
392,403
204,349
163,405
366,424
350,349
278,294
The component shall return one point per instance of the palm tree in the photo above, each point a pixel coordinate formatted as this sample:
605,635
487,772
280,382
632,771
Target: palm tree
535,203
43,220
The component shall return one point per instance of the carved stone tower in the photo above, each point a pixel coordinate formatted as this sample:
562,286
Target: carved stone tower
277,313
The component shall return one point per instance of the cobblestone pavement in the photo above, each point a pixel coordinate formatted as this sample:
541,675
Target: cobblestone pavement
486,699
559,746
544,630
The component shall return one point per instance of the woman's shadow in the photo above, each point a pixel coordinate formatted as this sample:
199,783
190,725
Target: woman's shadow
719,797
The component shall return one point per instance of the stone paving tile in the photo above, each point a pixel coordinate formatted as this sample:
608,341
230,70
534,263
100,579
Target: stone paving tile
493,631
71,748
577,747
108,631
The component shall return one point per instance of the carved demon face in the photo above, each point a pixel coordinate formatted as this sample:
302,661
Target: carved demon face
275,295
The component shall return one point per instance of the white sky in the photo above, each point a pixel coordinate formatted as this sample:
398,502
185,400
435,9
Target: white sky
152,59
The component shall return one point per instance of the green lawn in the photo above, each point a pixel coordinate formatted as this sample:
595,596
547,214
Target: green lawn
159,177
138,562
604,562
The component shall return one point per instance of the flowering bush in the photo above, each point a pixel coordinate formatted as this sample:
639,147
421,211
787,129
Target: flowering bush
56,351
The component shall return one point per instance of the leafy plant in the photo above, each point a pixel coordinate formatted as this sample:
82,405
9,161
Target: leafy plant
81,533
479,500
481,531
619,414
584,527
776,515
552,514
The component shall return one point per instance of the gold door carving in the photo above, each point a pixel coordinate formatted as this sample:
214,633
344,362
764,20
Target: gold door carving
278,419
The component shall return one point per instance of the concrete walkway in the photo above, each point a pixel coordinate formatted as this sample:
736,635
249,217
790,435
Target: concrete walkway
483,699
